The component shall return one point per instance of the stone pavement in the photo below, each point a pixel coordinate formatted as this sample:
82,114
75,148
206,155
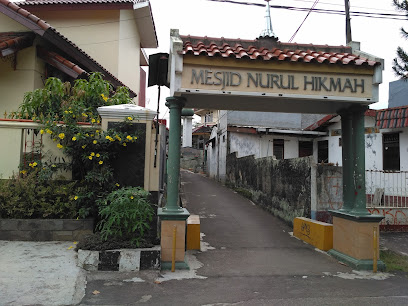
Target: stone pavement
40,273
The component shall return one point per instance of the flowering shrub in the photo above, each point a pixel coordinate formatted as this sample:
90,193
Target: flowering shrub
69,117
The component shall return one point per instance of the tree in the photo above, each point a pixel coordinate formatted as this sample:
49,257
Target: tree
400,64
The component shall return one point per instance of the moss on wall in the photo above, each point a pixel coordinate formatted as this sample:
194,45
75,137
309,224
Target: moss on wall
280,186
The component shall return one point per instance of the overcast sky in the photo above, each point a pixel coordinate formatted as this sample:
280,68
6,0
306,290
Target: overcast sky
379,37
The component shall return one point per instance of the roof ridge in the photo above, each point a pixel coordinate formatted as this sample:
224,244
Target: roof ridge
42,28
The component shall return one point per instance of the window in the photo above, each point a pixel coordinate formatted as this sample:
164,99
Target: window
323,151
391,152
209,117
305,148
278,148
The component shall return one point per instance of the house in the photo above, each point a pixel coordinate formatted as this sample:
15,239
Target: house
69,39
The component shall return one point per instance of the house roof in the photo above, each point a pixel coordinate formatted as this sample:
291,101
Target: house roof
142,13
61,63
395,117
11,42
46,31
326,120
269,49
202,130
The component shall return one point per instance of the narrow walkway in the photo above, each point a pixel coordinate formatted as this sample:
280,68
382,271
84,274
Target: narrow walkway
247,239
248,258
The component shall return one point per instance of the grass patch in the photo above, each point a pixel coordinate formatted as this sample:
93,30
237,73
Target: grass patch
394,261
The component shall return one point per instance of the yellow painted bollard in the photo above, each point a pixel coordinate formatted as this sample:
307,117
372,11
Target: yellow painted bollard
173,257
375,247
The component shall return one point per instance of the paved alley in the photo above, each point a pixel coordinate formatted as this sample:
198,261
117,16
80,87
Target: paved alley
248,257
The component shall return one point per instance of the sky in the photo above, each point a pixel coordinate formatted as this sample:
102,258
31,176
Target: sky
379,37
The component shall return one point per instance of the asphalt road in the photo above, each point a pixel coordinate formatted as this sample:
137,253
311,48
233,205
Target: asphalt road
248,257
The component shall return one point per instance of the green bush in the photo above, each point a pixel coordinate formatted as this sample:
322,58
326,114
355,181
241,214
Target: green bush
31,197
125,214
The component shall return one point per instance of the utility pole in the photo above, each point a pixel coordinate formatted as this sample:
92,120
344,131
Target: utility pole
348,25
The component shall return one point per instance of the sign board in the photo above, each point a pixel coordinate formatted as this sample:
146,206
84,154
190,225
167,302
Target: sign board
226,79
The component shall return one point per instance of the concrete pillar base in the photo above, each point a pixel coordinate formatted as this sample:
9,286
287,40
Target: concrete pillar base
358,264
353,239
166,241
180,265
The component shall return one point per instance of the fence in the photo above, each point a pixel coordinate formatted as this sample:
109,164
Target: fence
387,189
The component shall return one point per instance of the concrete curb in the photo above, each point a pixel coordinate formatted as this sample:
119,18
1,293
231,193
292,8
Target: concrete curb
122,260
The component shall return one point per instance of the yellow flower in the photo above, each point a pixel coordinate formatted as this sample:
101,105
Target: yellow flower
90,157
23,171
117,185
95,142
84,146
97,131
76,198
66,112
34,164
42,132
132,197
93,120
101,162
74,138
103,97
87,135
92,154
129,118
60,146
48,131
124,144
53,166
129,137
97,121
92,135
84,115
98,155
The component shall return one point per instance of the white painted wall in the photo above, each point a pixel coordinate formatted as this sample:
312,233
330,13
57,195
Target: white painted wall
187,140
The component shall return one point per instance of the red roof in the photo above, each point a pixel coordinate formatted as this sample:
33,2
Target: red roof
268,49
11,42
395,117
42,28
46,2
325,121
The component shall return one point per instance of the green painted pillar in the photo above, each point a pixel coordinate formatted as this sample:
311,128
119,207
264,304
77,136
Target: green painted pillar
347,160
172,210
358,142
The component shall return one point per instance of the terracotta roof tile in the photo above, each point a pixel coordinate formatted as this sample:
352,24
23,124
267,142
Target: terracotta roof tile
51,34
50,57
395,117
70,2
266,50
15,41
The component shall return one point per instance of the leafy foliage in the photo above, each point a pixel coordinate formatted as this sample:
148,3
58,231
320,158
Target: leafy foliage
400,63
36,196
125,213
68,114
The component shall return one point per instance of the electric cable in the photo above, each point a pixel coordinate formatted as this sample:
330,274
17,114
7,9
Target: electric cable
308,13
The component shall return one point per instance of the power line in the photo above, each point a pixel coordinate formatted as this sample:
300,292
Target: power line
322,11
308,13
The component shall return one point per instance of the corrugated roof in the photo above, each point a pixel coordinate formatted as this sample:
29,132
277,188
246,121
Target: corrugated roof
269,49
42,28
11,42
395,117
